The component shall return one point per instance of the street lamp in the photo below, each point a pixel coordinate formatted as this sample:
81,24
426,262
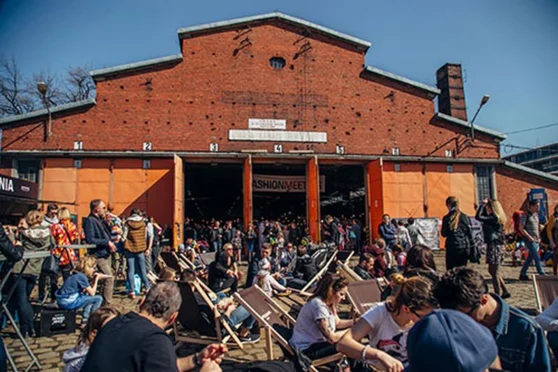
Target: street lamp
484,99
42,87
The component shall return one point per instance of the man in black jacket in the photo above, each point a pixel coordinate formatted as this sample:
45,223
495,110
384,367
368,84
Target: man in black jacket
97,232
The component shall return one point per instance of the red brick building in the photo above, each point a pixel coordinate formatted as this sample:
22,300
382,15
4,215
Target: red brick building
267,92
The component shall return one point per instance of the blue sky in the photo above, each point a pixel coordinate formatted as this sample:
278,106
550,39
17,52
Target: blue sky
508,48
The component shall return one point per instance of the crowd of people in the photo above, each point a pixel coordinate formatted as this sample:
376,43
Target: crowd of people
424,310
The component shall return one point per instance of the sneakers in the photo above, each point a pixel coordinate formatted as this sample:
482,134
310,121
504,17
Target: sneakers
506,295
523,277
132,295
250,338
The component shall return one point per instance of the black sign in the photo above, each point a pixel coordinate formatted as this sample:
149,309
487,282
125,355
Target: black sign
15,187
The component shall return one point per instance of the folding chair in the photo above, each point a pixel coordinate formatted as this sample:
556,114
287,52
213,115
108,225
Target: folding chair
277,323
316,277
191,318
546,290
363,294
152,277
345,256
207,258
173,261
348,273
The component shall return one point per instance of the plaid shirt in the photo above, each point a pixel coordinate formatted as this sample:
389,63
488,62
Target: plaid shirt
64,233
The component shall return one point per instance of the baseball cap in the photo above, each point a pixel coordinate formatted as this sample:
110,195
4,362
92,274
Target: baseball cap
448,340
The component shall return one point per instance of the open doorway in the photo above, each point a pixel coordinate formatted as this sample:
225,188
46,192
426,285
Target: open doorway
344,195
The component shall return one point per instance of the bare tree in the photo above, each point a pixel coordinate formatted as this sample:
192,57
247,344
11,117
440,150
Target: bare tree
14,99
79,84
54,95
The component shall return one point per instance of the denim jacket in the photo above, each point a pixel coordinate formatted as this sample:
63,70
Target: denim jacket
521,342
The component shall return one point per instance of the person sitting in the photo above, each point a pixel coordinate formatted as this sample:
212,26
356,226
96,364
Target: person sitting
269,284
305,269
75,357
236,316
167,274
136,341
520,339
223,272
287,256
318,327
77,292
365,266
548,320
399,256
377,250
386,324
448,340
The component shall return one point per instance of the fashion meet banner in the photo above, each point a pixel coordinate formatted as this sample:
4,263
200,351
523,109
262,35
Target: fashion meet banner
278,183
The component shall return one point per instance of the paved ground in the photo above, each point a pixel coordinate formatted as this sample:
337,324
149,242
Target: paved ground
49,350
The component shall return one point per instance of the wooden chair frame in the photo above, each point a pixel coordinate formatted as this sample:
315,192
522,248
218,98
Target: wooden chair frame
541,298
316,277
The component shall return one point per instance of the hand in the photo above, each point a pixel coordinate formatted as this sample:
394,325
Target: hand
213,352
101,276
210,366
552,245
147,252
112,247
391,364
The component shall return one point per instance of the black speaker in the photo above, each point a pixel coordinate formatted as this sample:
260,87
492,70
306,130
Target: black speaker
55,322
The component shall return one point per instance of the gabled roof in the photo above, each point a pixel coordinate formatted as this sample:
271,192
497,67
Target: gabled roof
187,32
68,107
136,66
466,124
534,172
403,80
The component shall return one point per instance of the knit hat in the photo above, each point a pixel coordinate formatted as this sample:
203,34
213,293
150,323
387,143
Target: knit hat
448,340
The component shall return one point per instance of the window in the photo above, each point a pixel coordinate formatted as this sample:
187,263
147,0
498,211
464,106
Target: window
277,63
77,163
28,170
485,188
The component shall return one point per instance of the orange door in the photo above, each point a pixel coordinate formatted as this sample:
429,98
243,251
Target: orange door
178,214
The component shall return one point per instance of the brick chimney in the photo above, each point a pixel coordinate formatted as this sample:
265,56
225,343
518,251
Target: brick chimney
451,100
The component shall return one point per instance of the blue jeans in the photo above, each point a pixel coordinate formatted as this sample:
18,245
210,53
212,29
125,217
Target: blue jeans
89,303
239,316
533,249
19,302
133,259
217,244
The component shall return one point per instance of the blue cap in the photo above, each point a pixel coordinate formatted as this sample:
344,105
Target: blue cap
448,340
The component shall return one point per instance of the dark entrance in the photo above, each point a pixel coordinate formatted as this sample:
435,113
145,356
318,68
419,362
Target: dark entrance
272,201
344,195
213,190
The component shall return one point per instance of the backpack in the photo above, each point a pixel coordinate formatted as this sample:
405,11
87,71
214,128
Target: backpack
544,235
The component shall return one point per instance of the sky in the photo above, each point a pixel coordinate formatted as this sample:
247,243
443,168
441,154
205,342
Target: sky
508,48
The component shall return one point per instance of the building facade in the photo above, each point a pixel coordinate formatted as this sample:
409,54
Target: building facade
544,158
269,95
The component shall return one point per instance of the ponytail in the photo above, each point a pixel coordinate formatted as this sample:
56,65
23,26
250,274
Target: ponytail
415,293
453,203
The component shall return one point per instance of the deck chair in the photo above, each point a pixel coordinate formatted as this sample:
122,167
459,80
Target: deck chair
318,276
173,261
192,319
546,290
207,258
363,294
152,277
277,323
348,273
345,256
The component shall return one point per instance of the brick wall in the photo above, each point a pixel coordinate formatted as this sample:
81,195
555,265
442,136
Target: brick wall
513,187
188,106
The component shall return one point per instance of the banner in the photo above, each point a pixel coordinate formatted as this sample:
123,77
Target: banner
278,183
429,232
17,187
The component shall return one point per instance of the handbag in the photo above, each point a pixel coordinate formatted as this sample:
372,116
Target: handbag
51,265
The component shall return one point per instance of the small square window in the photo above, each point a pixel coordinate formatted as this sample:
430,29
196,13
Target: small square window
277,63
397,167
147,164
449,168
77,163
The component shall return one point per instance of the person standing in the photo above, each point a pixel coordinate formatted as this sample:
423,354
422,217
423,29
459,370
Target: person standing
65,233
98,233
135,249
530,229
216,237
552,231
51,215
456,228
493,218
357,230
387,231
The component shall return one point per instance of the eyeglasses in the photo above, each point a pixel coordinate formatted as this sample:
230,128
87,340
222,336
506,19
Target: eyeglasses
415,313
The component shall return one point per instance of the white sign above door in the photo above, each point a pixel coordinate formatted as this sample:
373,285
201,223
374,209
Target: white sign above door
275,124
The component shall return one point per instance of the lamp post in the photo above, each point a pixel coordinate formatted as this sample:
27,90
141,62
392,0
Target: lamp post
484,99
42,87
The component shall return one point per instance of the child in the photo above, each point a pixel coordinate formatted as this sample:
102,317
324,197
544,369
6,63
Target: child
400,256
75,357
77,292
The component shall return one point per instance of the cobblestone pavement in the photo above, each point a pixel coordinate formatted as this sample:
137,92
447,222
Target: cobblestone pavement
49,350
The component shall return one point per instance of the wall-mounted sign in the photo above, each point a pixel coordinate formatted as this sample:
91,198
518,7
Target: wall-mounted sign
276,124
214,147
277,183
20,188
276,136
278,149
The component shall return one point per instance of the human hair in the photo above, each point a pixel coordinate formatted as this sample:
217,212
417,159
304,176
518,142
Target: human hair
380,243
453,202
188,275
167,274
162,300
87,265
400,223
64,214
33,218
385,215
533,202
135,211
329,281
397,248
52,207
94,204
415,293
498,211
421,257
96,321
460,287
365,257
301,251
266,246
411,220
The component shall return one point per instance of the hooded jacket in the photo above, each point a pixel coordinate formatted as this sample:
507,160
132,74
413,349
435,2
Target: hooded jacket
36,238
135,234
